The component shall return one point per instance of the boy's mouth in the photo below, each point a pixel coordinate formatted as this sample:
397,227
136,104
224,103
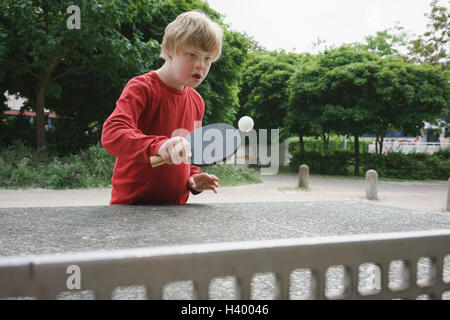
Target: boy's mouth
197,77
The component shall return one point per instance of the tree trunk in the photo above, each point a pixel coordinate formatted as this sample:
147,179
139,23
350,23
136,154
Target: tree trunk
302,143
381,145
325,144
40,104
40,123
356,155
376,145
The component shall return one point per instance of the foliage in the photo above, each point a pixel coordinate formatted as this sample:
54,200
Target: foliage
432,46
335,163
264,93
351,91
21,168
90,168
410,94
417,166
79,74
387,42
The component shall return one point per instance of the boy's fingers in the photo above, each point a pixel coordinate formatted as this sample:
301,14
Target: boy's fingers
186,149
191,182
165,155
175,154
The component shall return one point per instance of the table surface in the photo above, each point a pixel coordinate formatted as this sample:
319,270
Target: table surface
25,231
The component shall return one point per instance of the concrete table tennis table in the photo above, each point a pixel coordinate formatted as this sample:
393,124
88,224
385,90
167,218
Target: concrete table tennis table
315,250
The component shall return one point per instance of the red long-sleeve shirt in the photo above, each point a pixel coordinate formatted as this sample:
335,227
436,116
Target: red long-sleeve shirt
146,114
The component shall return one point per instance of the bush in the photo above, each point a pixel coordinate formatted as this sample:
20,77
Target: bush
335,163
443,154
417,166
21,168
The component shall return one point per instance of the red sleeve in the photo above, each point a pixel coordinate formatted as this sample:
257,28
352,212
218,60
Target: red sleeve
121,136
194,169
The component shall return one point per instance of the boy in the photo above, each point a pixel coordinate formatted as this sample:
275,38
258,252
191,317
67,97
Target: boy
150,111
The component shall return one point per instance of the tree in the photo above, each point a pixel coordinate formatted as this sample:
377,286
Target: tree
303,117
264,94
407,95
48,51
387,42
335,92
80,73
412,93
432,46
350,90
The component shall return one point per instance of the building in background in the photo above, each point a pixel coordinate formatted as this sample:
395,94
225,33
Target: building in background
14,105
432,139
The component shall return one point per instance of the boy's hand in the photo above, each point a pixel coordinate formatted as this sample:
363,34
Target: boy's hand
175,150
203,181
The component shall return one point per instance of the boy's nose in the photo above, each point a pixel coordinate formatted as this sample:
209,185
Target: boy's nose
201,64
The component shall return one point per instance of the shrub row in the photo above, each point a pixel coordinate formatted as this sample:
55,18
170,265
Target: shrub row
418,166
90,168
335,163
21,168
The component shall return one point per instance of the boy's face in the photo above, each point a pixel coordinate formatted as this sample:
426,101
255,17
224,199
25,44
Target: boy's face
191,66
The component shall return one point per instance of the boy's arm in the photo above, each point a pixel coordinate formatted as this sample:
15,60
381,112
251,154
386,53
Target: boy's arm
121,136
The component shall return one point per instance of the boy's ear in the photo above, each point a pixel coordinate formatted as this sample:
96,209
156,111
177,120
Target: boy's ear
169,53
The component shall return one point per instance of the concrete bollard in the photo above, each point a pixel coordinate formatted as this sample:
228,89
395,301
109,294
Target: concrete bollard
448,196
372,185
303,176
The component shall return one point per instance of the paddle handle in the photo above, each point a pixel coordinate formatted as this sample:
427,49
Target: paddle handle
156,161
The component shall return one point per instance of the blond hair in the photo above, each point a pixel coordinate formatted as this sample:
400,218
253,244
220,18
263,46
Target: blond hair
195,29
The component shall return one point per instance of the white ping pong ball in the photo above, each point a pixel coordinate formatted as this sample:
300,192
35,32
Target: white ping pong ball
245,124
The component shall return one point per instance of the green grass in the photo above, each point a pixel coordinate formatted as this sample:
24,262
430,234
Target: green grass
20,168
233,175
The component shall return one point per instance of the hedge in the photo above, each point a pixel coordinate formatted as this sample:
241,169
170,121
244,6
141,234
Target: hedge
417,166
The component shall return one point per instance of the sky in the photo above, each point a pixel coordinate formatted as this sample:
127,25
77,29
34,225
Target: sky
293,25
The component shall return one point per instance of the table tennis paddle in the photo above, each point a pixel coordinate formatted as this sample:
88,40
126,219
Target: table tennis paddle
210,145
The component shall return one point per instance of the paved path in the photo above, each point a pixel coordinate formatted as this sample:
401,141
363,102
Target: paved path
410,195
282,187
